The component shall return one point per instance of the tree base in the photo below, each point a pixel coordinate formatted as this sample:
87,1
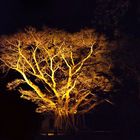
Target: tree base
51,126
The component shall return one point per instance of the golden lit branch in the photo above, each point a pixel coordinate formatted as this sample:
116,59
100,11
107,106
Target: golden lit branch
82,62
36,63
36,88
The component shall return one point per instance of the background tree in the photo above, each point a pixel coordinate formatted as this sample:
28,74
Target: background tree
65,74
109,16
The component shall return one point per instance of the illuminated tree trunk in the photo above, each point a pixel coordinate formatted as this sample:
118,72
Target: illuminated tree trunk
62,124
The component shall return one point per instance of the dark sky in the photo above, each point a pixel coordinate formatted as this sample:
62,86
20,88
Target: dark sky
69,14
62,13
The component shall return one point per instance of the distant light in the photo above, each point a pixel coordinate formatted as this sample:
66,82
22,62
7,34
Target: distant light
50,134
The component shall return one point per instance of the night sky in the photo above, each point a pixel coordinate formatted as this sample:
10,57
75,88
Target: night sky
104,15
18,14
17,118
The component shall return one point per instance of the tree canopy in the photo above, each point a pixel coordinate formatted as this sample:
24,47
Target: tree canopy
64,73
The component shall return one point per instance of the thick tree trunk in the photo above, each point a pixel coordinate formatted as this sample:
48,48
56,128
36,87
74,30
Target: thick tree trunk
62,124
65,123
